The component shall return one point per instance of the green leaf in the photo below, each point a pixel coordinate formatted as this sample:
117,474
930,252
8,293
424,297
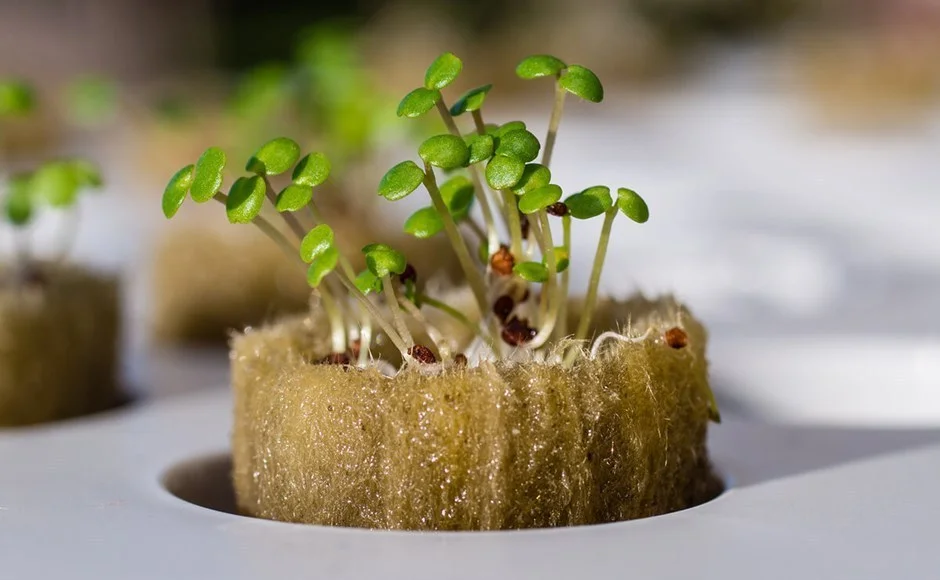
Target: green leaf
445,151
376,247
383,260
367,282
457,193
481,148
582,82
274,157
208,176
18,204
418,102
504,172
471,100
632,205
531,271
87,173
539,199
519,144
293,197
245,199
535,175
56,183
261,92
508,128
590,203
317,241
539,65
312,170
424,223
92,100
16,98
176,190
322,265
442,71
401,180
561,259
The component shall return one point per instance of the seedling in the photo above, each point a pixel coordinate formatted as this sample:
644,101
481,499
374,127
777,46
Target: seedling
323,93
494,173
55,184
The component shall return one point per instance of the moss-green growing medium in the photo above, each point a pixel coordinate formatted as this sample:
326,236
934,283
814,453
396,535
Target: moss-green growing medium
58,345
206,284
495,446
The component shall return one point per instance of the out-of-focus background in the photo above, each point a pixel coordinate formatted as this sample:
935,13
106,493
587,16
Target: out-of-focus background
787,149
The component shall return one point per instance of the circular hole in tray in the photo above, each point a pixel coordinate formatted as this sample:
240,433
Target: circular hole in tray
207,482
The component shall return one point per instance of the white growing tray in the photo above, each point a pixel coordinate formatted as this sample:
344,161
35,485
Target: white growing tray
86,499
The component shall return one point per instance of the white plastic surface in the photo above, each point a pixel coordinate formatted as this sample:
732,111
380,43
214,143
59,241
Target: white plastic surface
85,500
844,380
764,221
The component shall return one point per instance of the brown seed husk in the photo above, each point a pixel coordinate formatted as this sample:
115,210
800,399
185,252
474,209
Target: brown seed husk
58,346
495,446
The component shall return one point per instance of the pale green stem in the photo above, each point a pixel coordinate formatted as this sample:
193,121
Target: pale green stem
483,198
365,321
344,262
450,310
387,328
474,279
66,236
365,343
549,292
486,193
290,219
476,229
478,123
536,231
268,229
447,117
590,300
459,317
433,333
553,123
515,226
561,328
337,326
534,240
395,308
478,191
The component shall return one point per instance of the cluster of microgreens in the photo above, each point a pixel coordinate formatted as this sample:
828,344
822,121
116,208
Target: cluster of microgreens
496,170
54,184
323,92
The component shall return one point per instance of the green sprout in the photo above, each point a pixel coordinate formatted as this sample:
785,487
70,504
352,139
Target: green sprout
92,100
17,98
469,180
322,94
53,185
575,79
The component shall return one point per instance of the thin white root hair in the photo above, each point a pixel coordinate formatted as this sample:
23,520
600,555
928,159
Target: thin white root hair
611,335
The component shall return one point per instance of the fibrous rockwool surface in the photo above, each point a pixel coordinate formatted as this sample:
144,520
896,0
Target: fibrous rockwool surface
58,346
207,284
496,446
